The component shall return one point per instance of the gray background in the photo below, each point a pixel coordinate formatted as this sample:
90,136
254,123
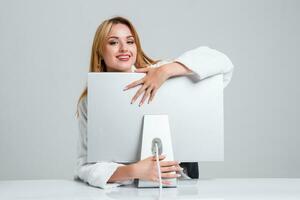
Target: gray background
44,56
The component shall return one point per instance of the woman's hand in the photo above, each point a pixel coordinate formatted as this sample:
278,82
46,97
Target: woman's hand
154,78
147,169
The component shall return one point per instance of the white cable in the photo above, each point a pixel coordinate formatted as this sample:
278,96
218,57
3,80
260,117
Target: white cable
158,168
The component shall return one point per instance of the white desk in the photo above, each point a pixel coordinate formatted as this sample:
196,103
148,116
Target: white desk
210,189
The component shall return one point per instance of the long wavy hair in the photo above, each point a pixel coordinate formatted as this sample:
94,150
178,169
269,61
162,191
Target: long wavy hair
97,63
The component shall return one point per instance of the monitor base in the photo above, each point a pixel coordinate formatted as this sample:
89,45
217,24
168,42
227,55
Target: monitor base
156,129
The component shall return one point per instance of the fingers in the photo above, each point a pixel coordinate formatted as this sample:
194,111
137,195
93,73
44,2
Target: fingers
166,182
134,84
168,163
146,95
138,93
165,163
152,95
161,157
168,169
138,82
170,175
171,169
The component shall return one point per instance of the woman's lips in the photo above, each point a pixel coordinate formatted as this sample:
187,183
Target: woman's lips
124,57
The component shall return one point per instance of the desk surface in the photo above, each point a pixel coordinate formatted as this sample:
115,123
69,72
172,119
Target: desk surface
211,189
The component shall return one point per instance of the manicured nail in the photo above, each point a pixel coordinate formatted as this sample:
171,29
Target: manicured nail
178,175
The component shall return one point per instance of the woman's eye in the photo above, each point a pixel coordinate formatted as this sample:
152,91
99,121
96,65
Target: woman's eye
112,42
130,42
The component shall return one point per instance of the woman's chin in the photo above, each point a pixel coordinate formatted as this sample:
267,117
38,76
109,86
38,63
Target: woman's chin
121,67
125,68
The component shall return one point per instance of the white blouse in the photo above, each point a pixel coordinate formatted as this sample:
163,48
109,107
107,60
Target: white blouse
202,61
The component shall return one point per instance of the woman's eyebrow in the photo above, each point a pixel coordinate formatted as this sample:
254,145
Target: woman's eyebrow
118,37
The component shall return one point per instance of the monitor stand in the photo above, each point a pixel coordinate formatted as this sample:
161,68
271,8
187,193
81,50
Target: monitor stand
156,129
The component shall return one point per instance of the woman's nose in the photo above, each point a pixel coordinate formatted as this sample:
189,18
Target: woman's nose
123,48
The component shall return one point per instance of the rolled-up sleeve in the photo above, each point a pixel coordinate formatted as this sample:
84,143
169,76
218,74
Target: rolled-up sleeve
206,62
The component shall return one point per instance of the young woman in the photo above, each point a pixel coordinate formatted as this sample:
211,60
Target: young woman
117,48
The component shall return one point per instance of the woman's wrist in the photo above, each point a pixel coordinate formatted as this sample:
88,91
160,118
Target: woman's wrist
131,171
135,170
123,173
175,69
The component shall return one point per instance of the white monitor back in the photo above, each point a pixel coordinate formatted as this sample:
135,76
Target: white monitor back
195,111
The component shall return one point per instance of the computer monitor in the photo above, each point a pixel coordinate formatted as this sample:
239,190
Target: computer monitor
195,111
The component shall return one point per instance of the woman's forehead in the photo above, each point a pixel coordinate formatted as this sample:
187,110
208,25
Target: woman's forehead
120,30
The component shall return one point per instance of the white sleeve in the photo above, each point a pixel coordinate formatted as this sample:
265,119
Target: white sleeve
95,174
206,62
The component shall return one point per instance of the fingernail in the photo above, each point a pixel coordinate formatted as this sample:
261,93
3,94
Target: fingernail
178,175
181,169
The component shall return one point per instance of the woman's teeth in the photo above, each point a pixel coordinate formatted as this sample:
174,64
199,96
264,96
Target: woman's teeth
123,58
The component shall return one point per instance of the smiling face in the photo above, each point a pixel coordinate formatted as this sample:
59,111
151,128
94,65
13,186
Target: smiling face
120,50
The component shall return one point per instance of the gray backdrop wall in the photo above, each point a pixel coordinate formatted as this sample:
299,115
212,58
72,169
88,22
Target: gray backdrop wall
44,56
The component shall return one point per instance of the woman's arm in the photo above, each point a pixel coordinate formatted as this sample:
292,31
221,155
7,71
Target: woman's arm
205,62
147,170
202,62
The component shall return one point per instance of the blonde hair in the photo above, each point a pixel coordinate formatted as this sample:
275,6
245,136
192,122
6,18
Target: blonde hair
97,63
